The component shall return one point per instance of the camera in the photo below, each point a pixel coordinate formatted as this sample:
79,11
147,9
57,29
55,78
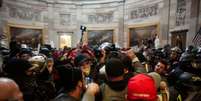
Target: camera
83,28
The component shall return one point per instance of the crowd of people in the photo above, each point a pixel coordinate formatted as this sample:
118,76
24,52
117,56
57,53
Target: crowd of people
104,73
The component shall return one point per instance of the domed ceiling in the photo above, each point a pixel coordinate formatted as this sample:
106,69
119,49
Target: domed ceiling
80,1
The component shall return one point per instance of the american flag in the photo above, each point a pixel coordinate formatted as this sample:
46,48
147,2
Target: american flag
197,38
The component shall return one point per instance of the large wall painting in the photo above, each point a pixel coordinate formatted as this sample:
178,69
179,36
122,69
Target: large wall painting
97,37
178,39
138,35
29,36
65,39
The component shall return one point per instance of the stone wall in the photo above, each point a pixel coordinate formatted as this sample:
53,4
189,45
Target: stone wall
67,15
184,16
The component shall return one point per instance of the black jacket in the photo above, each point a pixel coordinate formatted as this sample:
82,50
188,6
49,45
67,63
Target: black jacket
64,97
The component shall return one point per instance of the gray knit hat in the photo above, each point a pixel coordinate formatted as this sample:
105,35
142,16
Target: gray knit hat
156,77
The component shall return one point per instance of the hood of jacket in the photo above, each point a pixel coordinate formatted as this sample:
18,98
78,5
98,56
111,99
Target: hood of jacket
117,85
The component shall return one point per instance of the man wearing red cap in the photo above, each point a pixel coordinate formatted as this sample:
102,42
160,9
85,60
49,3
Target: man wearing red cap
141,88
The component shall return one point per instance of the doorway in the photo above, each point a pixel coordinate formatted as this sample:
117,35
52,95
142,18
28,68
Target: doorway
178,39
65,39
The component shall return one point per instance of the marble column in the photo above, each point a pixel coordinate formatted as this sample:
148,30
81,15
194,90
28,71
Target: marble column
193,21
165,24
121,27
51,32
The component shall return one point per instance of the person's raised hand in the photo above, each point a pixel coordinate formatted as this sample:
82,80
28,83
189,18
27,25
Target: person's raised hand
92,88
130,53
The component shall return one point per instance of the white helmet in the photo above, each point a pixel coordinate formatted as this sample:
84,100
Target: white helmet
105,45
38,62
37,59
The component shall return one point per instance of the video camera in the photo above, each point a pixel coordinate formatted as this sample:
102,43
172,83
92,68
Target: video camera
83,28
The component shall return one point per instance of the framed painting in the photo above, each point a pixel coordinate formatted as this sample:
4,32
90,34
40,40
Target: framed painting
65,39
178,39
31,36
139,35
97,37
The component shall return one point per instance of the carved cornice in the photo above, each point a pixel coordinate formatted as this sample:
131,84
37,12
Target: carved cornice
100,18
25,13
71,2
82,2
181,12
143,12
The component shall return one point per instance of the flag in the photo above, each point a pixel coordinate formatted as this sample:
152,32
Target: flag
197,38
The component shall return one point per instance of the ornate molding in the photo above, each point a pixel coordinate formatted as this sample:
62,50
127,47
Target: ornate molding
143,12
100,18
23,13
181,12
65,19
83,2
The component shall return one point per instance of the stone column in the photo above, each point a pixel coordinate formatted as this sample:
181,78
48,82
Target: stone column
173,10
52,34
199,15
121,27
4,14
165,24
172,17
193,21
77,31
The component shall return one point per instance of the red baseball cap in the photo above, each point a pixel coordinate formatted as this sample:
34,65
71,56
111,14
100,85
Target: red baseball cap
141,87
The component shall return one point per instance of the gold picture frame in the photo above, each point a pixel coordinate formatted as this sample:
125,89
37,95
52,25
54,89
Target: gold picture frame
65,39
26,34
139,32
97,37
